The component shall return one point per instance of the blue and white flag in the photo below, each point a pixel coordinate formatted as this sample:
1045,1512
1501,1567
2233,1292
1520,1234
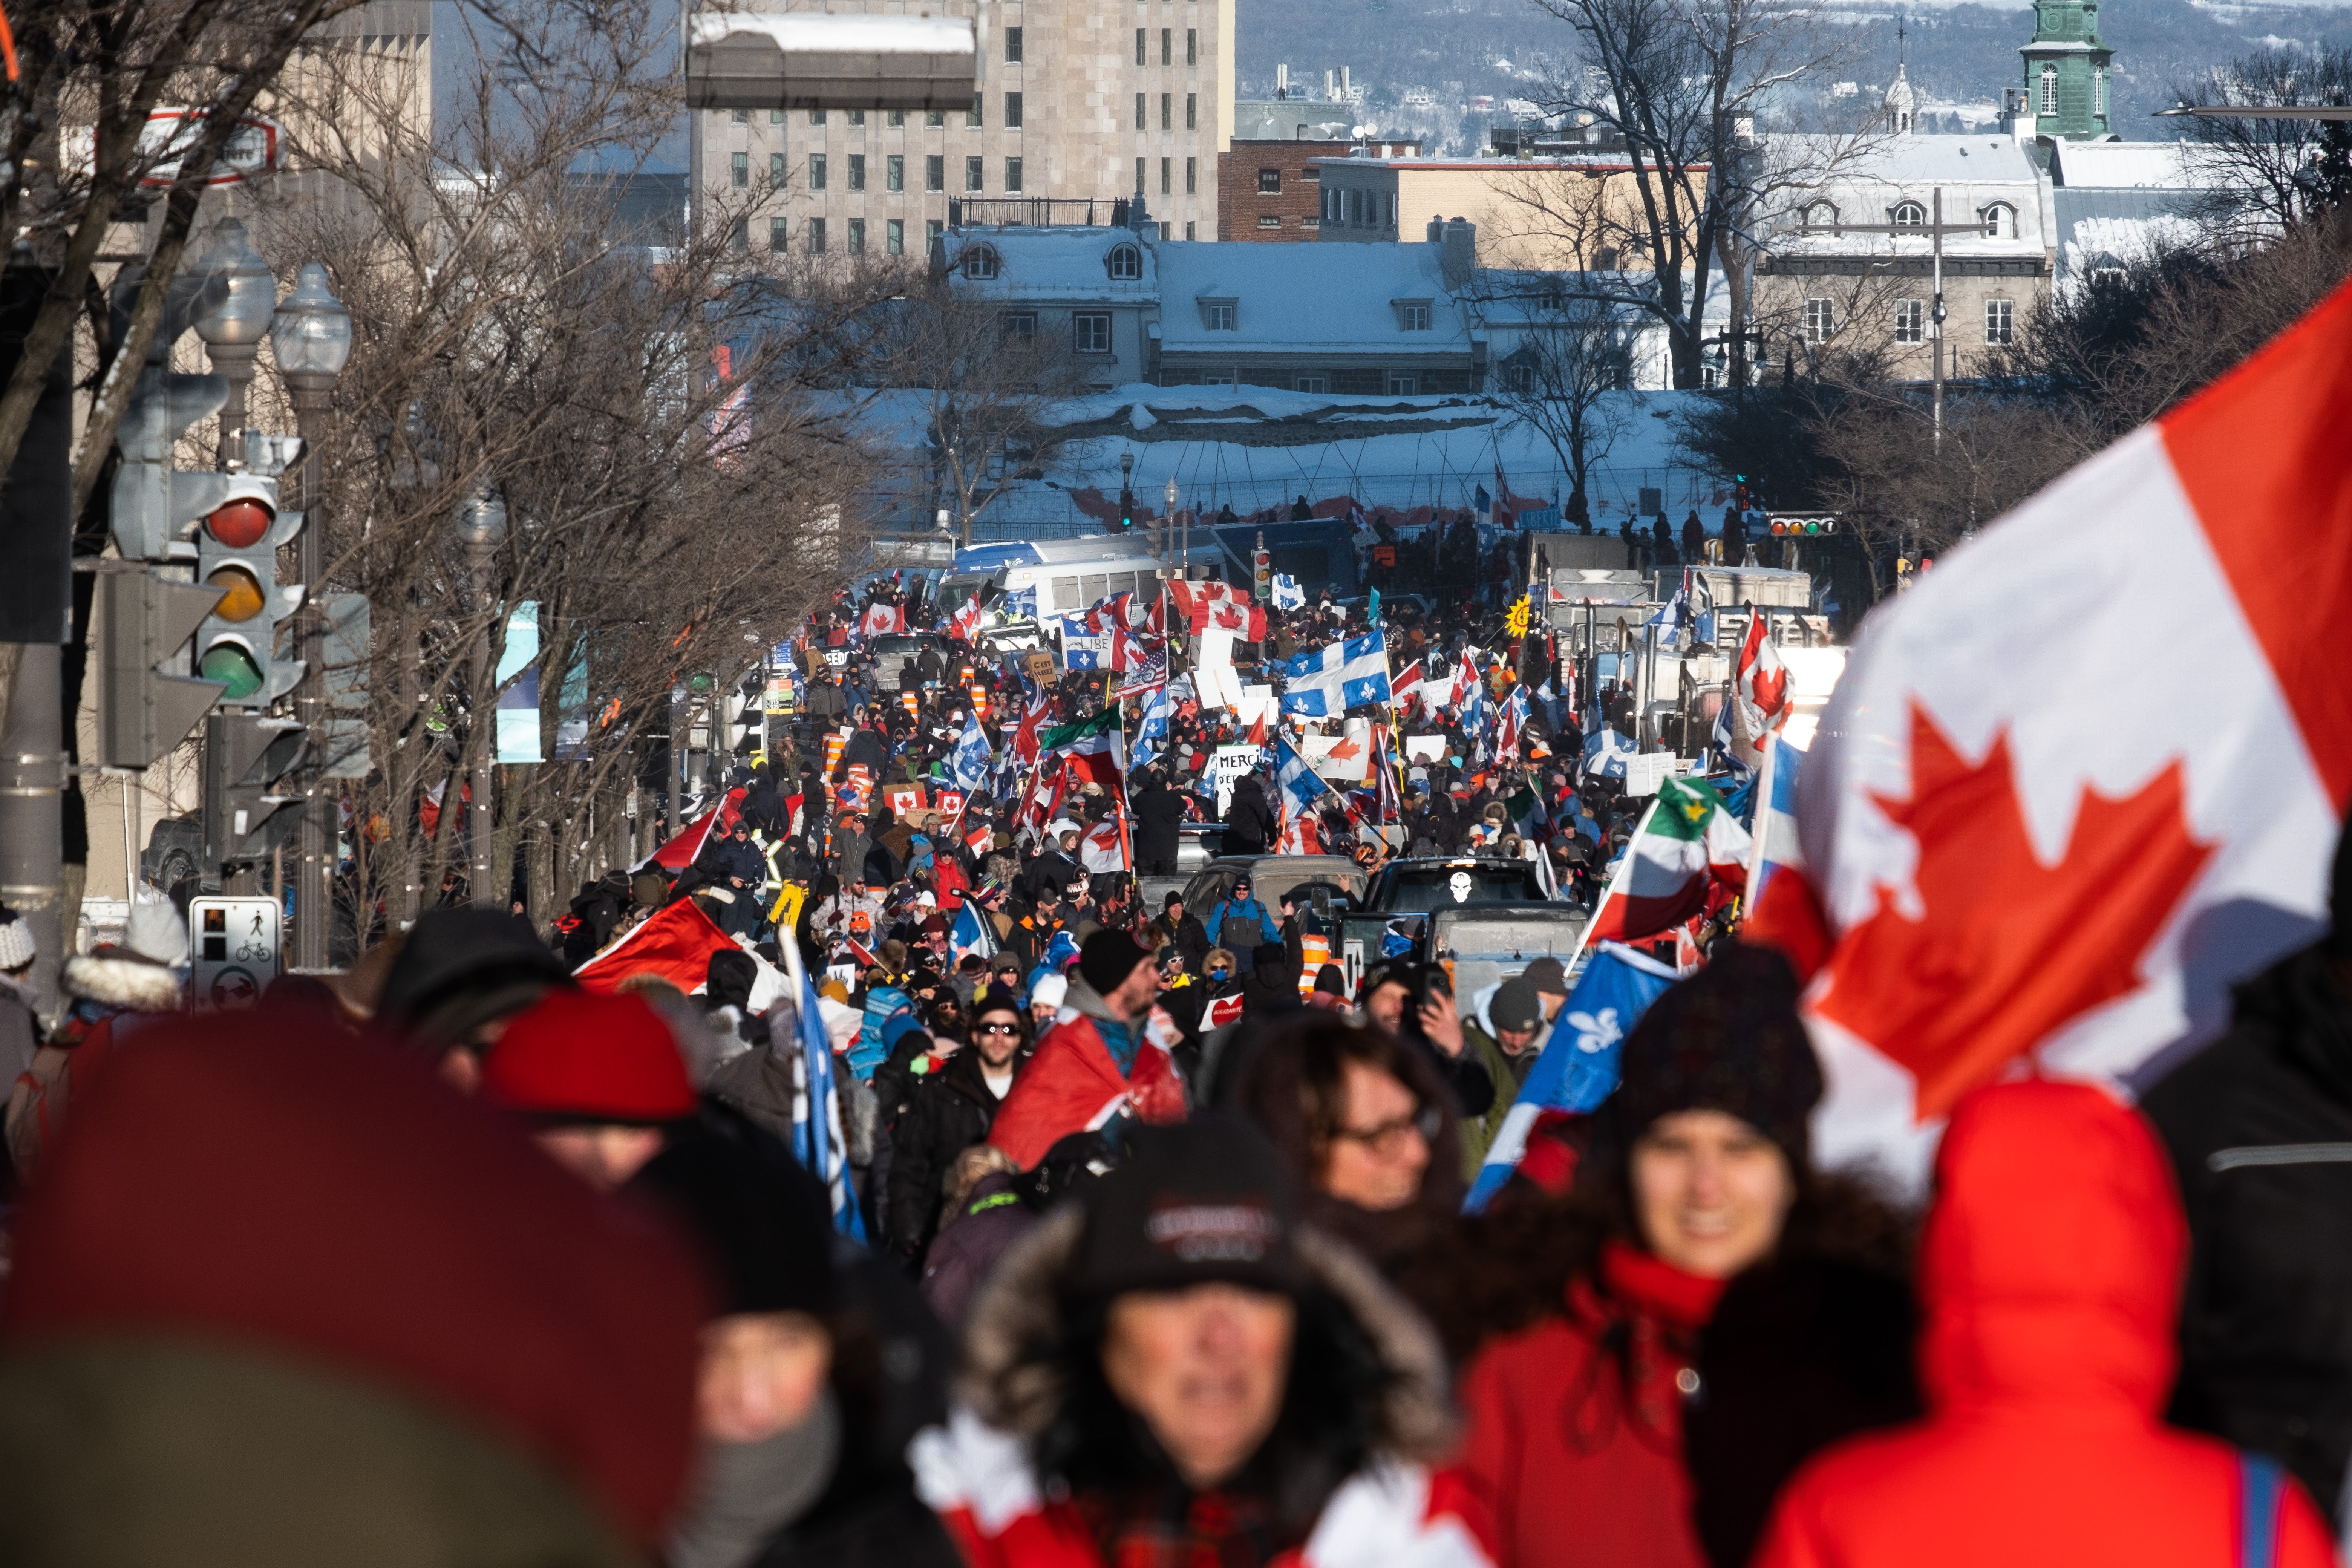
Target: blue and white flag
1605,754
1301,786
973,759
1287,594
817,1141
1578,1066
1083,648
971,933
1151,736
1020,602
1339,675
1775,829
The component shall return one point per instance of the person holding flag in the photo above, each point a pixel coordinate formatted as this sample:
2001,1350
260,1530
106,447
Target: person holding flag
1105,1055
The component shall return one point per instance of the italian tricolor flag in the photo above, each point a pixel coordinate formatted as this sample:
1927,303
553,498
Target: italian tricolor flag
1091,746
1687,840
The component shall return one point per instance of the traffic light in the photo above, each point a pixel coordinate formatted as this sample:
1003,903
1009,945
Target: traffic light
1126,508
1803,527
248,757
143,714
152,501
236,553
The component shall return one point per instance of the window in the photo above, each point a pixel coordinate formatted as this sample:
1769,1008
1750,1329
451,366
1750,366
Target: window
1188,231
1192,111
777,233
894,236
816,171
1820,215
1013,112
1910,320
1403,386
896,116
1219,317
816,235
1167,112
742,117
1012,174
2001,221
1413,317
935,172
1192,177
980,263
1821,321
857,171
1910,214
2099,93
2049,90
857,117
1163,176
1090,331
1021,326
738,170
894,173
775,168
1139,45
1318,384
1138,175
739,235
816,117
2000,321
935,118
1267,220
1138,113
857,237
1269,182
971,180
971,115
1192,45
1167,48
1310,173
775,117
1125,264
1013,45
1310,221
932,229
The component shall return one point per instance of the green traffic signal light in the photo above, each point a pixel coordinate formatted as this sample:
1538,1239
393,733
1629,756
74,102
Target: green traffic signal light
233,665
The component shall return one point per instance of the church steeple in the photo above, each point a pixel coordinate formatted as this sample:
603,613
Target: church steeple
2066,72
1901,103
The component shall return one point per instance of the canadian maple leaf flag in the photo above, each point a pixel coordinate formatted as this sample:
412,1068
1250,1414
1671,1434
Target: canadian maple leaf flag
675,944
2090,772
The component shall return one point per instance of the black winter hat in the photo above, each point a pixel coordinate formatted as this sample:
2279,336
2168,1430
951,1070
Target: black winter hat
763,1222
1202,1202
460,968
1107,958
1728,1039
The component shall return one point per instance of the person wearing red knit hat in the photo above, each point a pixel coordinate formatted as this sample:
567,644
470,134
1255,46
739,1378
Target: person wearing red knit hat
600,1077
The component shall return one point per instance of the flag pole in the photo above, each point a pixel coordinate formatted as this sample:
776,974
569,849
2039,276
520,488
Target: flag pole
1610,891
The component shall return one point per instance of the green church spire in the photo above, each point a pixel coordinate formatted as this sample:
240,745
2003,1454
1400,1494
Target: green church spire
2066,72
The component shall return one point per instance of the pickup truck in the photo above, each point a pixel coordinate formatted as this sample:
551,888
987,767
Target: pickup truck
1409,901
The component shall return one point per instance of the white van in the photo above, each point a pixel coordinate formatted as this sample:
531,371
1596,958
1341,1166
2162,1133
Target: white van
1068,575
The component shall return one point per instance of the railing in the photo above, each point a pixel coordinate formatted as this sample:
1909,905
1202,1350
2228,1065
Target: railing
1004,212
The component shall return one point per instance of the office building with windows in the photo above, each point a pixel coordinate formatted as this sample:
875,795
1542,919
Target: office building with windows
1077,107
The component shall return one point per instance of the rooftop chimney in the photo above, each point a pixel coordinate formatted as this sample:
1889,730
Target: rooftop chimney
1459,259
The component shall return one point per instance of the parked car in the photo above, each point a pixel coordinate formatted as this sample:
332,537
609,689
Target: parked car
893,650
1481,944
1395,917
1330,883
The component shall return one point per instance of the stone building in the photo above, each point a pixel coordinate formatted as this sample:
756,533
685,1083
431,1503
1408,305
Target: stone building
1565,213
1077,104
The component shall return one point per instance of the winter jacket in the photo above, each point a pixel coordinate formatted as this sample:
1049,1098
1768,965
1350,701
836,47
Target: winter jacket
1385,1508
2265,1338
1191,939
1574,1439
1159,811
1249,820
1073,1082
952,1109
1508,1072
1251,927
964,1252
2049,1279
883,1003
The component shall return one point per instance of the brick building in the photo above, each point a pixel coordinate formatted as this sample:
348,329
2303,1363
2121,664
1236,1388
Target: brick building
1268,190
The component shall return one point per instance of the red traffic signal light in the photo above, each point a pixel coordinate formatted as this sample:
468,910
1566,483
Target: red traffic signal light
1779,527
240,523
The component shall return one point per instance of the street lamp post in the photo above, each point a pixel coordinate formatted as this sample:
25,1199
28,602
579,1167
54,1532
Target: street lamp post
481,528
1167,531
311,338
232,332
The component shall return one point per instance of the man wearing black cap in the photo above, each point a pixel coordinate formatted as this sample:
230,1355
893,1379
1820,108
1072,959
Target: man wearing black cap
1103,1055
460,976
1189,1375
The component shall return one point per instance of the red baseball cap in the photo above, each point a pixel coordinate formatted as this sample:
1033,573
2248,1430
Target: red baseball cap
582,1056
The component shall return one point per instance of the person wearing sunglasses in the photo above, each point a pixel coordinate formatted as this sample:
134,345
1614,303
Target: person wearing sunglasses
952,1109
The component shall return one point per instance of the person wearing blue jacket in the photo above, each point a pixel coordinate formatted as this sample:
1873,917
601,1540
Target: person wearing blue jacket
1240,924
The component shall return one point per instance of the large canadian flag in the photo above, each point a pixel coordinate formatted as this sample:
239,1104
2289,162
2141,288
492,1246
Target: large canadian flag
2089,772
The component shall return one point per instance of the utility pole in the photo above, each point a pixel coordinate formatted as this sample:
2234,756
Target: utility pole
1935,230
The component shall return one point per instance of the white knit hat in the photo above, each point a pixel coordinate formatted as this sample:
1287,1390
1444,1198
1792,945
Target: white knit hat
16,946
154,931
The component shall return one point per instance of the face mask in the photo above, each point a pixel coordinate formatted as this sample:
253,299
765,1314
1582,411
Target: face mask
1217,974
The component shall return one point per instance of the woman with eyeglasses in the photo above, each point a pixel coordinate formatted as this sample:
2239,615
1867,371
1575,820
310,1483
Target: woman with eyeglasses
1367,1126
952,1109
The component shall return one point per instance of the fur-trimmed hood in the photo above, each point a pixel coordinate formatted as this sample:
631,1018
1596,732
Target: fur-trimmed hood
1009,1381
119,978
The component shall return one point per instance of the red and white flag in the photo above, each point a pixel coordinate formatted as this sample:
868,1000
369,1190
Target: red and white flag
881,620
1024,734
965,624
1104,848
1406,686
679,850
2091,771
1043,799
675,942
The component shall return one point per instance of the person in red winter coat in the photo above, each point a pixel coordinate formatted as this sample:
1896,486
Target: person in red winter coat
2050,1277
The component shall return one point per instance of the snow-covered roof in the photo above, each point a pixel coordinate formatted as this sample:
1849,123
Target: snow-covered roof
1321,299
1066,263
2137,165
1974,173
2101,227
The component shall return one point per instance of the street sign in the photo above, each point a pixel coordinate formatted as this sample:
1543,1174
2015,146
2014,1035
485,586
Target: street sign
170,135
235,950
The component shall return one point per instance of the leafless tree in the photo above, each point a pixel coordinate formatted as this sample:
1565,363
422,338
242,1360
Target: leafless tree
2274,173
1575,356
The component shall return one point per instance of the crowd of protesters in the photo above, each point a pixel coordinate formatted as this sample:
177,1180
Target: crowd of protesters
1150,1246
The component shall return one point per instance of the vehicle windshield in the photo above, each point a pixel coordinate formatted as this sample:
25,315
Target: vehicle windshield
1420,888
